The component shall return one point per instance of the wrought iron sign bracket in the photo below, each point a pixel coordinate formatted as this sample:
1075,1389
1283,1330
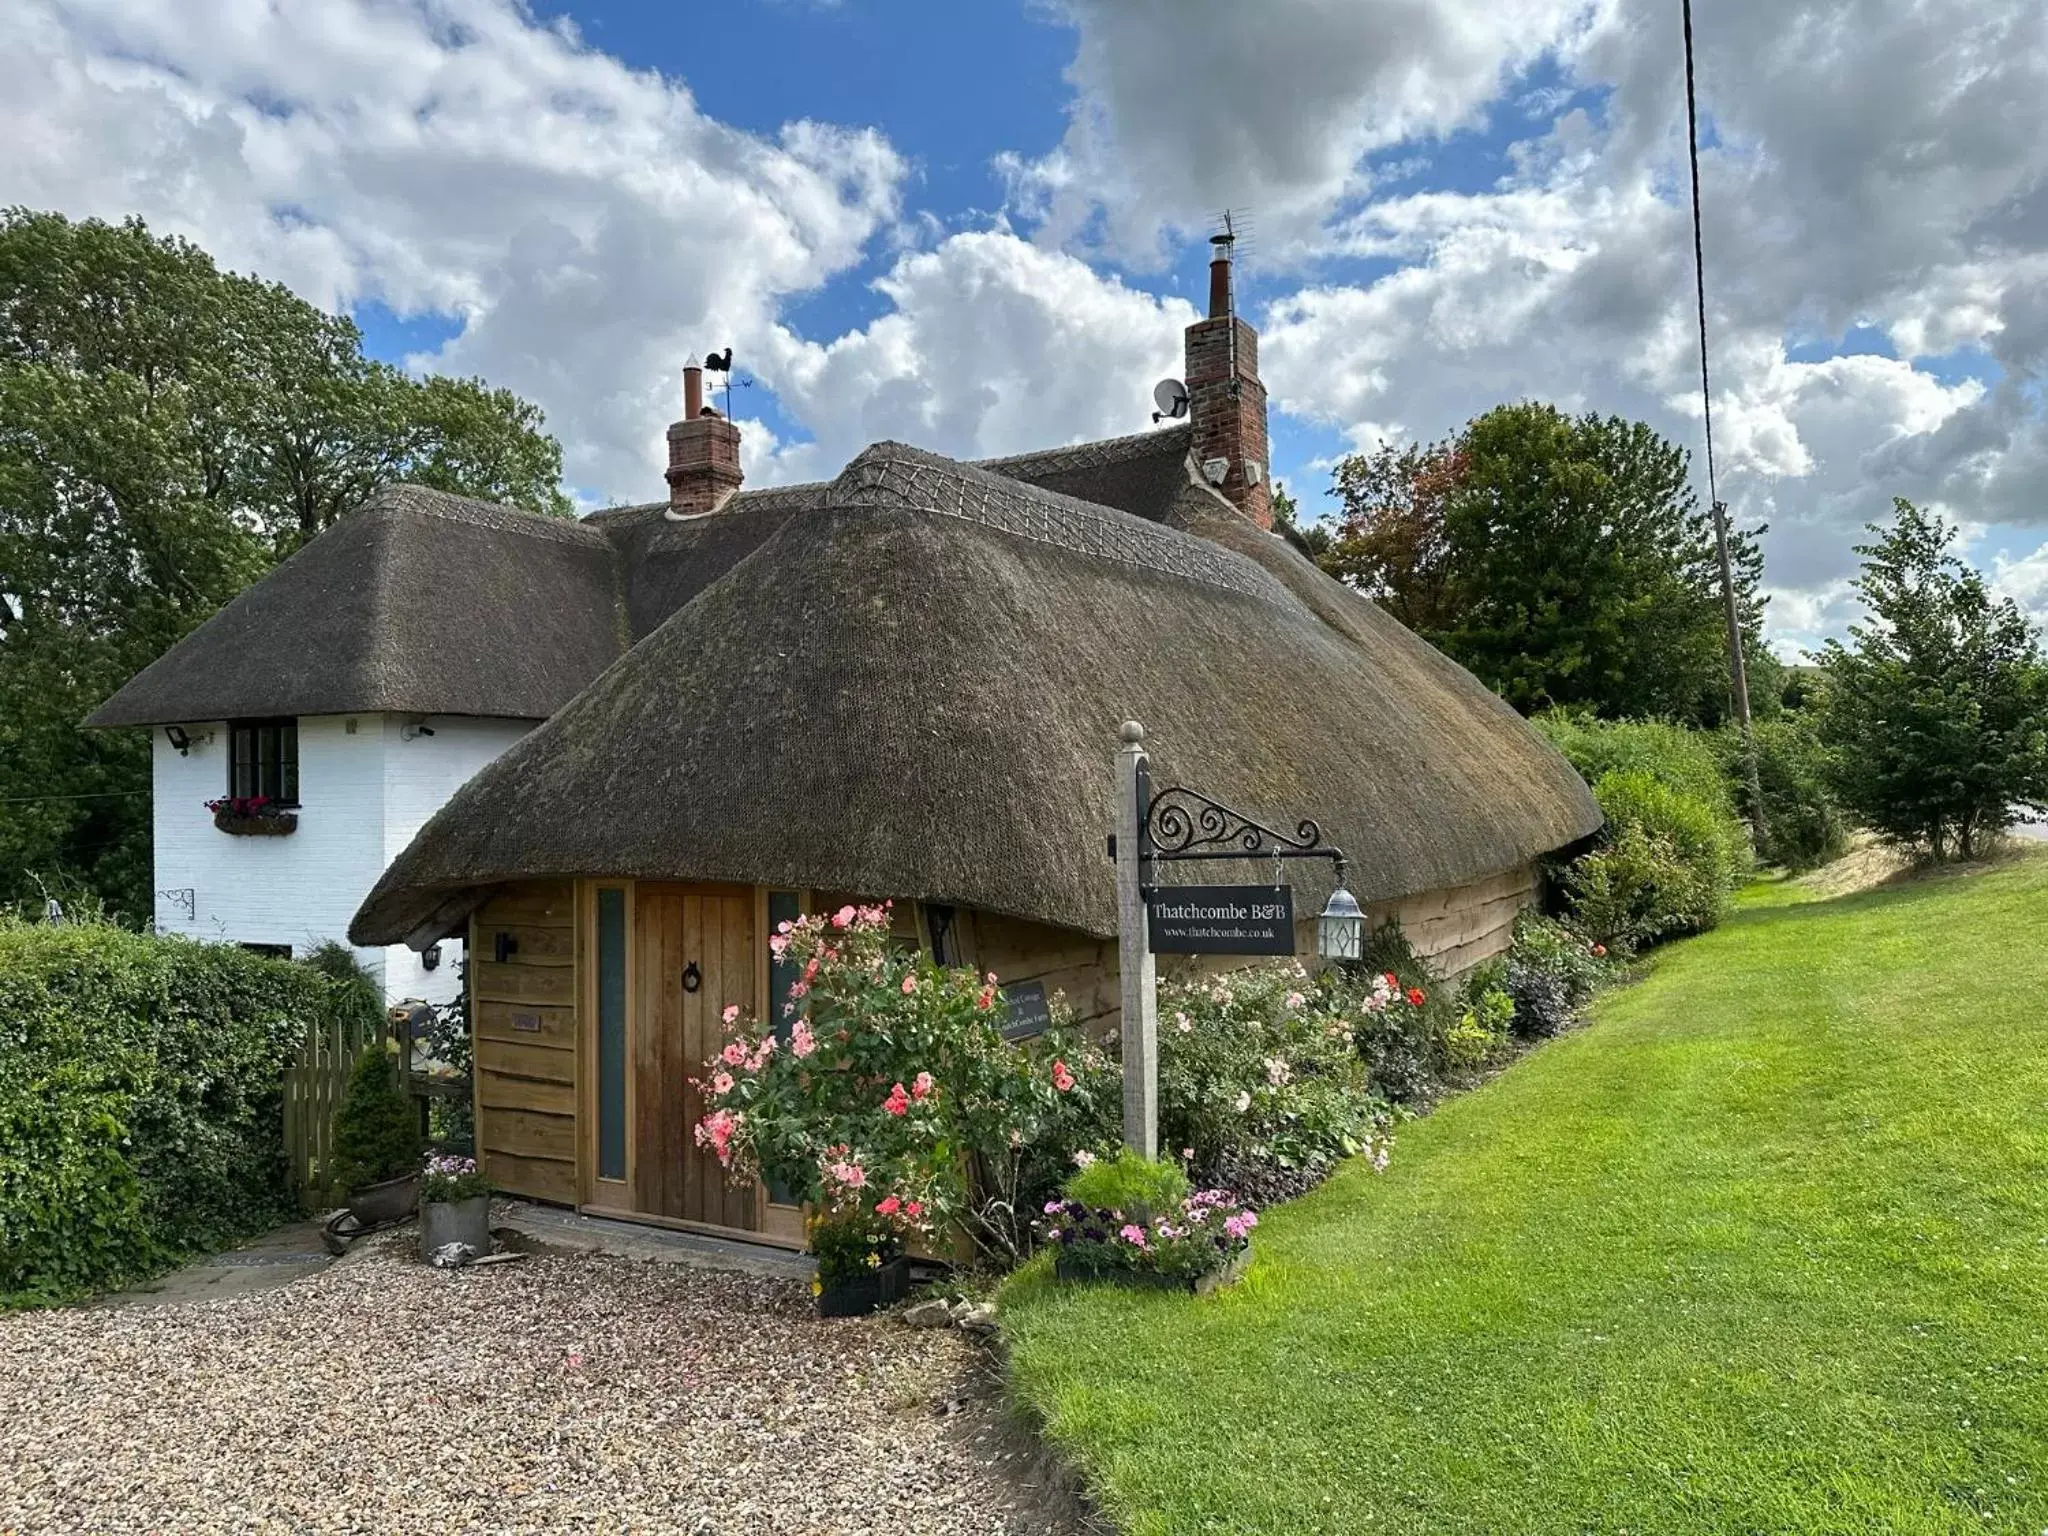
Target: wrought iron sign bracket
1180,824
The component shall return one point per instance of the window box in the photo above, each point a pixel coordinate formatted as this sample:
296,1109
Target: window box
253,816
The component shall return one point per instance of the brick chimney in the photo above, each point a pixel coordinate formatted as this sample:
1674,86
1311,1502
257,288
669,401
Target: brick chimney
1226,401
703,452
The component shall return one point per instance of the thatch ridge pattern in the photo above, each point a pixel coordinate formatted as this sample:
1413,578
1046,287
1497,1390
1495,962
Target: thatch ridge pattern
893,475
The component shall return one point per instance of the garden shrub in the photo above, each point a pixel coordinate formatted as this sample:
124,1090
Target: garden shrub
1261,1088
377,1128
1668,866
888,1094
1481,1034
1803,823
1128,1182
141,1100
1684,760
1192,1236
1406,1048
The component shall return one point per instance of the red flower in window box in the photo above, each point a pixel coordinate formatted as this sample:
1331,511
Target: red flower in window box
252,816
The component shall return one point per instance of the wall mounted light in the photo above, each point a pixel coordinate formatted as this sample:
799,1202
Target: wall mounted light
412,730
430,958
180,738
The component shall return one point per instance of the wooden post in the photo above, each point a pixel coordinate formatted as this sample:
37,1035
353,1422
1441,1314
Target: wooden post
1134,954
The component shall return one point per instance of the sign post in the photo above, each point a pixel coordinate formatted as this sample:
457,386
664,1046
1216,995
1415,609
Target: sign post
1184,824
1135,967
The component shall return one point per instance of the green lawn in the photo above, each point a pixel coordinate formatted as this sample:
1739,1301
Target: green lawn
1763,1249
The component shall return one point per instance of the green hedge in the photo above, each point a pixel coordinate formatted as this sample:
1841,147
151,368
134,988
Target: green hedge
141,1101
1673,850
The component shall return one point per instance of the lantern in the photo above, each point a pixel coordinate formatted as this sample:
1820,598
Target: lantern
1340,931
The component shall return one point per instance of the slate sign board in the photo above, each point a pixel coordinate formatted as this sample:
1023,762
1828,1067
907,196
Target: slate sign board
1028,1015
1221,919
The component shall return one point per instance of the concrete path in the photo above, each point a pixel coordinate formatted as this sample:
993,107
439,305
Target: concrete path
274,1259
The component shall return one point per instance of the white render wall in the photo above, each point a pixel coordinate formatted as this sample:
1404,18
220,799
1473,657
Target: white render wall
364,790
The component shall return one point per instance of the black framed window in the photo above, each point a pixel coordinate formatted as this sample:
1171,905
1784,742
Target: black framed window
263,759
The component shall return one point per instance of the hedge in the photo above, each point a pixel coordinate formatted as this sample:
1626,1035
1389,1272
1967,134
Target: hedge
141,1101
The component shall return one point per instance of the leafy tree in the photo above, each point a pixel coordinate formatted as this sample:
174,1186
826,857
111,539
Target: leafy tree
1938,714
168,431
1563,560
1392,542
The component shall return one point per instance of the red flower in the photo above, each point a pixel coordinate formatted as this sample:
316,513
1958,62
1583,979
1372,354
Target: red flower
1062,1079
898,1102
888,1207
1391,979
1599,951
1415,997
913,1209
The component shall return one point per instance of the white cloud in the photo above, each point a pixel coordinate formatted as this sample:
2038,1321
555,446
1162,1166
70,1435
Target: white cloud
587,222
992,346
1180,109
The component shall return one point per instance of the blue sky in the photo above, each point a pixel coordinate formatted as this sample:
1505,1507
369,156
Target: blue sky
982,227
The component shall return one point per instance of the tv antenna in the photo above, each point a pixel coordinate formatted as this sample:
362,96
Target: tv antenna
721,363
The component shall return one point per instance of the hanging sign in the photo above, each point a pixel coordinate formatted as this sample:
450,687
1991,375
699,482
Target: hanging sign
1221,919
1026,1011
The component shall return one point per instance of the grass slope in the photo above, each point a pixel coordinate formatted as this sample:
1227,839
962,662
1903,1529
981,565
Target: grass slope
1765,1248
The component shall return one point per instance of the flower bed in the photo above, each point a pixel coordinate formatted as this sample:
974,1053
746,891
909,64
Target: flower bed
1203,1243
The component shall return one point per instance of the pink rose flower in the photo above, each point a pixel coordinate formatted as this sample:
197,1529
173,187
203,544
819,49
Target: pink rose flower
898,1102
734,1053
888,1206
721,1082
842,917
922,1086
1062,1079
801,1041
731,1014
909,985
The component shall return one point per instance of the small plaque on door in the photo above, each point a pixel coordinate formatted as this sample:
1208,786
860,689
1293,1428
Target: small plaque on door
528,1023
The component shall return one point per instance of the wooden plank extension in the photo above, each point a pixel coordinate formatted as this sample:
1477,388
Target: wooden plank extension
524,1009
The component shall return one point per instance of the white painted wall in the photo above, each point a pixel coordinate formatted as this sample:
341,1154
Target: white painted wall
364,790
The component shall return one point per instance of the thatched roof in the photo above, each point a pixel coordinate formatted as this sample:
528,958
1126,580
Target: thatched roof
909,683
420,603
426,603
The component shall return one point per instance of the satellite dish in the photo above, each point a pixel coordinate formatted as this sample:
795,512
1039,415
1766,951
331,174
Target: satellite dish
1171,396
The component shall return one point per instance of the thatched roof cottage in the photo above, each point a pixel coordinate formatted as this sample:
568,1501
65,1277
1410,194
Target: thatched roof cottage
904,683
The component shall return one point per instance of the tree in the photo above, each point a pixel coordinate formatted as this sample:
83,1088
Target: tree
1563,560
167,433
1938,713
1391,541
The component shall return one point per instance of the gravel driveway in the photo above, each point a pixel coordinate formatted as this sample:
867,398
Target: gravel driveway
555,1394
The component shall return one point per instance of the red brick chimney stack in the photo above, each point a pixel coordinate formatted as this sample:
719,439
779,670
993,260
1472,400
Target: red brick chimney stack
703,452
1226,401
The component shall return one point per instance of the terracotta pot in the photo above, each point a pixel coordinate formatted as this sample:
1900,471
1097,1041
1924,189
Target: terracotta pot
455,1221
378,1205
866,1293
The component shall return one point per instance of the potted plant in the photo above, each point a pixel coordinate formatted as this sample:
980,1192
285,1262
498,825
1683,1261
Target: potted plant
377,1143
252,816
861,1263
455,1206
1131,1222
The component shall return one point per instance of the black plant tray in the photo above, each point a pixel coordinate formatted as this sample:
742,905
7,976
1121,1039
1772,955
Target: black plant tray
877,1289
1145,1280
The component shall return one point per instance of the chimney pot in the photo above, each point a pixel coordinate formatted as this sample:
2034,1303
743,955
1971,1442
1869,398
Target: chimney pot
693,390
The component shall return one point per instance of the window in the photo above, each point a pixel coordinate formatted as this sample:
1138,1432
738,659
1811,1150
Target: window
263,759
611,1034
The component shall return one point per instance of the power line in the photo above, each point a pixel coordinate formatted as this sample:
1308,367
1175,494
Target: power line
1738,670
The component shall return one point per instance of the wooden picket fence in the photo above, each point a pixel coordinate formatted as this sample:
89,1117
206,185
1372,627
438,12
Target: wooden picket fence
314,1087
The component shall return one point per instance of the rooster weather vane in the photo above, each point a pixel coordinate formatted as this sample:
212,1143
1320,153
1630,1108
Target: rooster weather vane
721,363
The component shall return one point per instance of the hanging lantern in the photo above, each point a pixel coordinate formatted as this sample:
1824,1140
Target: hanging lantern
1340,931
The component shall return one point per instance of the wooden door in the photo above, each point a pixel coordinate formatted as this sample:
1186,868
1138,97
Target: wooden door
694,957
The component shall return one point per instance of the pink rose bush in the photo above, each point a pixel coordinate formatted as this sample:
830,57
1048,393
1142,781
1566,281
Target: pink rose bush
1261,1080
883,1095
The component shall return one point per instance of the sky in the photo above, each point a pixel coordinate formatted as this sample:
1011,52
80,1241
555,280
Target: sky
981,227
